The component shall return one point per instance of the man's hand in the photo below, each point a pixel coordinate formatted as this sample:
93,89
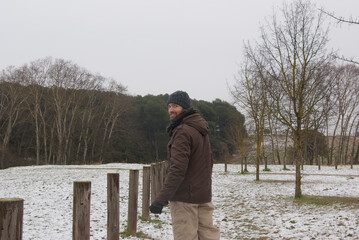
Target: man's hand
156,207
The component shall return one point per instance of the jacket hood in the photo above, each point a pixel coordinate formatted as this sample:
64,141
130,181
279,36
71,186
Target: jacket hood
191,118
197,122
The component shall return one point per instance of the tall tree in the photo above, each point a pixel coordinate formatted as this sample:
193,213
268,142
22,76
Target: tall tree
294,62
36,75
345,90
238,137
65,79
88,115
250,94
12,97
114,107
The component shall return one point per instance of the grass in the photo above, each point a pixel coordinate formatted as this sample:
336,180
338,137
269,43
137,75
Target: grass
139,235
277,181
326,200
235,173
244,171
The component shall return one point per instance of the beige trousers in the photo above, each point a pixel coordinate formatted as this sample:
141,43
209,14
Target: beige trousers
193,221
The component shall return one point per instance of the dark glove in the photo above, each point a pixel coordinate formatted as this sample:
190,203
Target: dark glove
156,207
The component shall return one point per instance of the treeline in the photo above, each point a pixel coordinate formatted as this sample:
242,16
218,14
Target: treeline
54,112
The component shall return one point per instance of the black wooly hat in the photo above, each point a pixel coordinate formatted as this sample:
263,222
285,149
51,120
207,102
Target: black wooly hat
180,98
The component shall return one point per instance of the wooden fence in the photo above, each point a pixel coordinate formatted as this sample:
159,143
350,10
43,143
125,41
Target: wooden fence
11,210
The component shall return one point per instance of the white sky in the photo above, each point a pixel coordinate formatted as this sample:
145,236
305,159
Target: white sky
151,46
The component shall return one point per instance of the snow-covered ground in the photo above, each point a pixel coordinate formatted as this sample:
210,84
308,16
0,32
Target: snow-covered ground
245,209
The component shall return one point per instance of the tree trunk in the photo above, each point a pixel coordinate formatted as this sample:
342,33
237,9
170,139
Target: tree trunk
298,162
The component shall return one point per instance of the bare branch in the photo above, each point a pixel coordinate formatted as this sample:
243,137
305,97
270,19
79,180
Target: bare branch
350,20
347,60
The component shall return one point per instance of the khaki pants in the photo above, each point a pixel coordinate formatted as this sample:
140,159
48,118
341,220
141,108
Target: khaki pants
193,221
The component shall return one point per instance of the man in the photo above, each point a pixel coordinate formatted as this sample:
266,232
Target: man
188,183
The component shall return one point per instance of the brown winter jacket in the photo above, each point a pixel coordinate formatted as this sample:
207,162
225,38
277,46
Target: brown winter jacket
189,174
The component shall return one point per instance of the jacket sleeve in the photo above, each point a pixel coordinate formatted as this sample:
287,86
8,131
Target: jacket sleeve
180,151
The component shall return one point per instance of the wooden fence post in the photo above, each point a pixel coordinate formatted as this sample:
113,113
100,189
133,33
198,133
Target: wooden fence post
132,202
153,182
81,211
146,185
11,218
159,177
163,171
113,206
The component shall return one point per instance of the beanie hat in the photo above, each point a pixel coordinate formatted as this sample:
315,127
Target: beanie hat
180,98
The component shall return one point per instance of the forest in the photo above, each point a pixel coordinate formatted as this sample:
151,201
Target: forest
54,112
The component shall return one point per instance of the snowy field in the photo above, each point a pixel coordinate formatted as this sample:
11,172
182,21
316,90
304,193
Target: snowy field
245,209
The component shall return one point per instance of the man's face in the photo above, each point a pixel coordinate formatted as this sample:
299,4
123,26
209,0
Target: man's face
174,110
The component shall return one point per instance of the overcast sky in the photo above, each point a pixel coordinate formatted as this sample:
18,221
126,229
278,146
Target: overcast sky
151,46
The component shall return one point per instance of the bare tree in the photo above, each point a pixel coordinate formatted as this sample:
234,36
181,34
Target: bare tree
320,121
249,93
35,76
275,130
351,139
296,58
93,86
113,110
346,98
65,79
355,146
238,138
12,98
